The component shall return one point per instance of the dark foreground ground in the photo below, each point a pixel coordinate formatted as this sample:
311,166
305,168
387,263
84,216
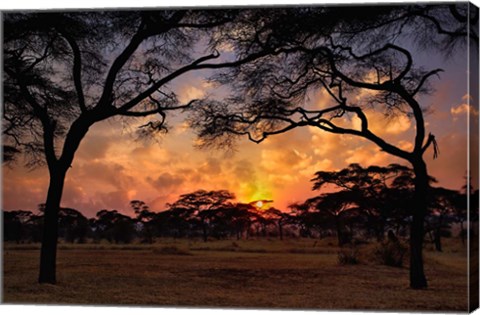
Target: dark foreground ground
244,274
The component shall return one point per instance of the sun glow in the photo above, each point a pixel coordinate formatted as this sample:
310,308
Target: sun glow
259,204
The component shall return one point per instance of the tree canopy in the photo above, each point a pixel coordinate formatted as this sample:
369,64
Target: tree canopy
67,71
362,59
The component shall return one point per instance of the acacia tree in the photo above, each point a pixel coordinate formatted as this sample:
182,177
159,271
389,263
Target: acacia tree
202,207
279,218
114,226
345,52
146,218
337,209
65,72
17,225
442,205
241,216
377,191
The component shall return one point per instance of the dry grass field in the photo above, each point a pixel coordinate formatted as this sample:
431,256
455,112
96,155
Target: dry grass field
247,274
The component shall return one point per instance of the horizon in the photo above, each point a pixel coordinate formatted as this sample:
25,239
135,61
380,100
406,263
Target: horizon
111,167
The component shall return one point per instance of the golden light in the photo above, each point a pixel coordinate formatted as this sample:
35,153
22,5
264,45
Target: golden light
259,204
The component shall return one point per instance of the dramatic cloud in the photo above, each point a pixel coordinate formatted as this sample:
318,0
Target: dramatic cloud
369,155
22,189
111,167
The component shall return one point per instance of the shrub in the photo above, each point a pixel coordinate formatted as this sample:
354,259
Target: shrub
348,256
391,253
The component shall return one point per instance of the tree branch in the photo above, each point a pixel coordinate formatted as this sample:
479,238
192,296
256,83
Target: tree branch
430,140
41,58
77,69
424,79
443,31
118,64
391,86
48,126
160,109
154,87
386,47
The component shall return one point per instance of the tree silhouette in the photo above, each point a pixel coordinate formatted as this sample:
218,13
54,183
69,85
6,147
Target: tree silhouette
306,220
15,225
201,207
338,210
353,51
22,226
114,226
381,193
65,72
466,207
73,225
146,218
241,219
279,218
9,153
442,206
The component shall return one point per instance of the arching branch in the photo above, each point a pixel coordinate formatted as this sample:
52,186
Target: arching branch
424,79
377,52
197,64
159,110
77,70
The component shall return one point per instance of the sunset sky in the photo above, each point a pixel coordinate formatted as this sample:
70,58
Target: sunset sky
111,167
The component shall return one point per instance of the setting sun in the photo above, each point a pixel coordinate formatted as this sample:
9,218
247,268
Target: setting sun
259,204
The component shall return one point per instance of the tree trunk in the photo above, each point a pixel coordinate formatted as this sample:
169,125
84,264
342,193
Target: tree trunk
280,230
381,229
417,275
57,169
339,231
438,234
48,254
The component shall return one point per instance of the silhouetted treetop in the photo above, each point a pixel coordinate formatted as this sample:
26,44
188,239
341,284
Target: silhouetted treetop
369,27
66,71
64,65
340,50
356,63
203,200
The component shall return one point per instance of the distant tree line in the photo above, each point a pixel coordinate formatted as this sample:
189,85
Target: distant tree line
354,204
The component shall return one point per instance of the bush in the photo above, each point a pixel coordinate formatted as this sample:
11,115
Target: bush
445,232
391,253
348,256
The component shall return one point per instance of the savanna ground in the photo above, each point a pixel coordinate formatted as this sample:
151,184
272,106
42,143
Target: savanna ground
244,274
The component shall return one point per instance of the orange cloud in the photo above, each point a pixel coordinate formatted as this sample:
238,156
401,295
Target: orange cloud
464,109
112,168
189,93
368,155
